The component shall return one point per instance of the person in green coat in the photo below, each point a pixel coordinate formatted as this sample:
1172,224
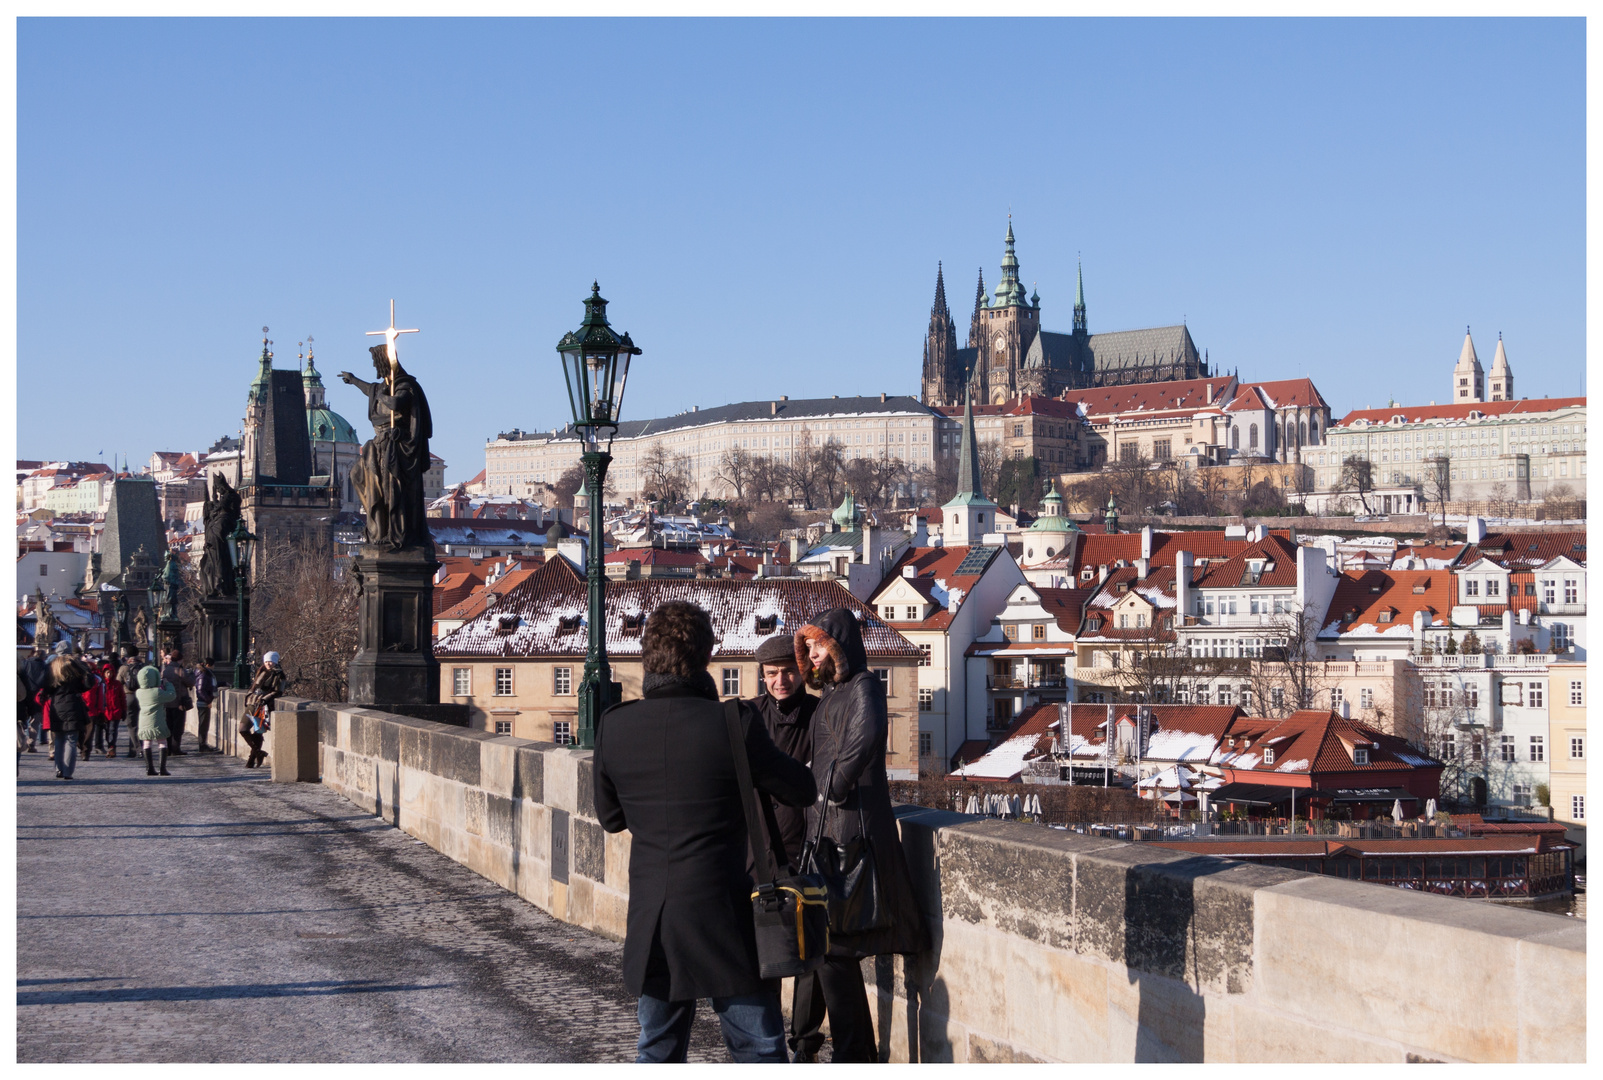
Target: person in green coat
153,695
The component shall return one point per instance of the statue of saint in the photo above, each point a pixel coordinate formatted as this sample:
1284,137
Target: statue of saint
172,580
220,515
141,627
44,620
389,477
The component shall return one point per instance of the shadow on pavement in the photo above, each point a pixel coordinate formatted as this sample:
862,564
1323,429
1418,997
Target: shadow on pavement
216,993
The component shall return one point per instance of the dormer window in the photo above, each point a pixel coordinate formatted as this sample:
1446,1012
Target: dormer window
1419,590
1085,573
767,624
569,623
1384,617
1269,755
1255,565
633,623
505,624
1360,755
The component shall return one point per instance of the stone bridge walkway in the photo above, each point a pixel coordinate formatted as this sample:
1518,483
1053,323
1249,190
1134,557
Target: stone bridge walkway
216,916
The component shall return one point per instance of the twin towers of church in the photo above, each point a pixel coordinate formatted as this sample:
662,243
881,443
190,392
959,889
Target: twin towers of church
1009,355
1471,385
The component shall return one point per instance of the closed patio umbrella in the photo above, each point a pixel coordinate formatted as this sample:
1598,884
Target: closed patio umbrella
1397,810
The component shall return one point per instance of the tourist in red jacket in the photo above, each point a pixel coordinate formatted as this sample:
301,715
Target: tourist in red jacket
116,705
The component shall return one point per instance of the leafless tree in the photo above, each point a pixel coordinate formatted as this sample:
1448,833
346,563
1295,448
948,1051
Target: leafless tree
1500,501
306,612
735,468
568,484
1358,476
1561,502
1436,483
667,475
1290,676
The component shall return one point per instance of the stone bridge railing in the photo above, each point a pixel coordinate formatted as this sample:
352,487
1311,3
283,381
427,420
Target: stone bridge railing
1047,945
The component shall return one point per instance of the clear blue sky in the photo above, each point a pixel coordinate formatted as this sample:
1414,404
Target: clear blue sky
764,203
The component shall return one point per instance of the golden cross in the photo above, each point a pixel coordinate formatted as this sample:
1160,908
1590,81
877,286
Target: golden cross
389,335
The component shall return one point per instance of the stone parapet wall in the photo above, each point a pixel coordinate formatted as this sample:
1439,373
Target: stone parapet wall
1047,945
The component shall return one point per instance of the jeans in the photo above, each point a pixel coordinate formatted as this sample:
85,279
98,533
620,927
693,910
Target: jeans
203,721
753,1028
66,754
112,727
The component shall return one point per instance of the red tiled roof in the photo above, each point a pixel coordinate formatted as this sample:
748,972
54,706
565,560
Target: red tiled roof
477,602
1313,741
1183,394
1414,413
1287,393
1370,593
1277,549
1099,548
655,556
972,750
934,566
1086,720
1249,398
547,610
1527,550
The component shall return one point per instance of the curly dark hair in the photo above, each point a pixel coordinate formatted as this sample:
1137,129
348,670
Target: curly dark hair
677,640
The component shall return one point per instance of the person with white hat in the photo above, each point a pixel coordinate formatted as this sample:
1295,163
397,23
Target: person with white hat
265,687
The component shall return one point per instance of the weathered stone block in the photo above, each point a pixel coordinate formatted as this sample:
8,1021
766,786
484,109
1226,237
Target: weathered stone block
416,748
498,760
617,855
589,849
584,783
581,901
610,912
561,780
1017,887
389,747
473,802
528,781
501,820
1552,1023
454,755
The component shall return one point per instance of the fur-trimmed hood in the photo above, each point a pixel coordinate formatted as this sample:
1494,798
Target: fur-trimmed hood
838,629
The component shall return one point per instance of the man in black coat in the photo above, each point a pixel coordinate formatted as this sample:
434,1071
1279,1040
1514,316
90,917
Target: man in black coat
664,770
787,711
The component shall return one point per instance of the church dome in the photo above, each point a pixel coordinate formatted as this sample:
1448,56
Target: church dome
845,516
1052,519
326,425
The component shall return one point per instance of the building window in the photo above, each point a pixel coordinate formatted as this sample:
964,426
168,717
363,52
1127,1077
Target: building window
1535,690
562,681
461,682
1575,692
1226,694
1449,748
884,674
1538,748
1522,794
1038,632
911,613
926,699
1506,748
1472,587
503,682
1336,695
1548,591
1561,636
1366,698
1577,807
1160,450
1571,592
731,682
562,732
1010,631
1277,698
926,744
889,612
1268,755
1018,431
1494,587
1246,698
503,727
1360,755
1577,747
924,655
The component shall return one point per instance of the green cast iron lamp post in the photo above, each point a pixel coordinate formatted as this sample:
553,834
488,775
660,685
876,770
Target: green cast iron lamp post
240,543
595,366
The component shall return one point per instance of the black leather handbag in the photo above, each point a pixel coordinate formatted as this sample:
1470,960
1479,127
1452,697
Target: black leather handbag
851,871
791,914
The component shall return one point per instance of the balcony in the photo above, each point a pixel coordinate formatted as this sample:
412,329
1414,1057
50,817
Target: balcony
1056,681
1225,622
1483,661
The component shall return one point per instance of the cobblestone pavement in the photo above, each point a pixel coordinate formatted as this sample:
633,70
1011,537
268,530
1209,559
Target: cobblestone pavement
216,916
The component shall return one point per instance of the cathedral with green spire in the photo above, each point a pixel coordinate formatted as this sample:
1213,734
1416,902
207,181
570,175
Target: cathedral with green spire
1009,355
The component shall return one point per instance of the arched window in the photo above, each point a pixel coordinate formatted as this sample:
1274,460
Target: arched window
1252,437
1291,434
1314,428
1302,434
1235,438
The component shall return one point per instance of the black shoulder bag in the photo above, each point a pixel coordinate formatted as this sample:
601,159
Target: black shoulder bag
792,913
856,903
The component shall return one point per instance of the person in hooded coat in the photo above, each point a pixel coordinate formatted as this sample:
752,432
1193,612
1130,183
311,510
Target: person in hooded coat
850,728
154,696
68,717
665,770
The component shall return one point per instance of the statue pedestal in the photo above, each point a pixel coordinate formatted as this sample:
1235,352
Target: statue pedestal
169,634
218,636
394,662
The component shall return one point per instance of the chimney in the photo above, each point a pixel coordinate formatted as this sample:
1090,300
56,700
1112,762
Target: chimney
773,408
1143,566
1208,392
1346,709
1102,574
882,399
1477,530
868,543
796,550
1146,543
784,397
921,532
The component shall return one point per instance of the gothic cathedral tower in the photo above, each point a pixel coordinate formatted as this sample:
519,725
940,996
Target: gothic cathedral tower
941,380
1009,324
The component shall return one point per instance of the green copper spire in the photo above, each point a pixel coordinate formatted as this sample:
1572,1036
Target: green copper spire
1111,520
845,516
264,374
1008,291
1052,519
968,461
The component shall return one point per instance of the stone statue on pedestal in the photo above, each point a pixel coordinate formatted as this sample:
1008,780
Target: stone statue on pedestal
389,477
141,627
169,584
220,514
44,621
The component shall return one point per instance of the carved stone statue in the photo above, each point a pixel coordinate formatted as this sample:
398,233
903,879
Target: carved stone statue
389,477
220,515
141,627
44,623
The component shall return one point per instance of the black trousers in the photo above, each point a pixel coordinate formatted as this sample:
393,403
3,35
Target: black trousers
835,988
175,728
203,721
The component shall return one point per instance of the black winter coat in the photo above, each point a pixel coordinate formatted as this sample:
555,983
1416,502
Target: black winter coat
849,731
67,712
790,726
664,771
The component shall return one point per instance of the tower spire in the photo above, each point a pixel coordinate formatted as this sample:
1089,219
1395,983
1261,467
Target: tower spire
1008,290
939,308
968,511
1079,298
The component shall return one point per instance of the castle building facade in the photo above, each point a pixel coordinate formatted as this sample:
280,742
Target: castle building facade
1008,355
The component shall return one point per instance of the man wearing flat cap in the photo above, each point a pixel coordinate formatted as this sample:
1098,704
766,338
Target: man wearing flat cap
787,710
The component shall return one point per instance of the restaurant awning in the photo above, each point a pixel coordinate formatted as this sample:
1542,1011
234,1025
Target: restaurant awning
1263,794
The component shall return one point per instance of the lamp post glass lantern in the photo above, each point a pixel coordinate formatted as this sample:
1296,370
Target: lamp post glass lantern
239,544
595,368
